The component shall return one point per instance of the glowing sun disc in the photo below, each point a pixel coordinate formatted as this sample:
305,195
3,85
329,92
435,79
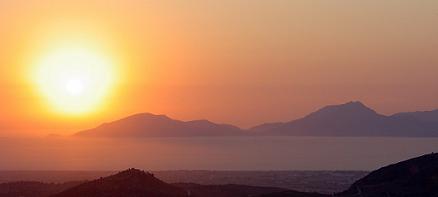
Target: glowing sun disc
74,80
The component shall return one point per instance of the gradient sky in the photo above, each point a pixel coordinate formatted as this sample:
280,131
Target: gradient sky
233,61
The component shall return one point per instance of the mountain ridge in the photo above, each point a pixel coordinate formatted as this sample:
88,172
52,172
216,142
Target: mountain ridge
351,119
151,125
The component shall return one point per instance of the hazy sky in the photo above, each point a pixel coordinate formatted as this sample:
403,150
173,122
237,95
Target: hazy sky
240,62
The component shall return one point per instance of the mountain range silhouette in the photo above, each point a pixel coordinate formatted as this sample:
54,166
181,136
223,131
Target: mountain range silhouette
349,119
150,125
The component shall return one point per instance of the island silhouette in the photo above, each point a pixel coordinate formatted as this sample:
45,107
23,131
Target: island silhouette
352,119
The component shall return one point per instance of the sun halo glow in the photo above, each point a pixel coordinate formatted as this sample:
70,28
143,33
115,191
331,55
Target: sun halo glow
74,80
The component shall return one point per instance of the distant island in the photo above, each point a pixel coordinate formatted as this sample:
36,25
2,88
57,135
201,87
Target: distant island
150,125
352,119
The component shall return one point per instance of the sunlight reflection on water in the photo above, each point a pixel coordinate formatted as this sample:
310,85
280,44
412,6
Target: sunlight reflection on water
215,153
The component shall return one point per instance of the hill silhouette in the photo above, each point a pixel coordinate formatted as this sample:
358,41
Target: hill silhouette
426,116
150,125
129,183
352,119
348,119
413,177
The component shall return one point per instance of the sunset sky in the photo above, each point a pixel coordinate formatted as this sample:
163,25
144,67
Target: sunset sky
233,61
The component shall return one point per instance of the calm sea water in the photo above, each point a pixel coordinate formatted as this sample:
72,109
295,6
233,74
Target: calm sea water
211,153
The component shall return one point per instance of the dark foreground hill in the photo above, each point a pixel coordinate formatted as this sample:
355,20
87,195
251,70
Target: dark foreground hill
33,189
417,177
129,183
136,183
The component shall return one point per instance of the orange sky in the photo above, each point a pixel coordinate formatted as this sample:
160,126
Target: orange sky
240,62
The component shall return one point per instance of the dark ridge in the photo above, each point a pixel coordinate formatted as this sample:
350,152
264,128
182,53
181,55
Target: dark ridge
426,116
33,188
413,177
352,119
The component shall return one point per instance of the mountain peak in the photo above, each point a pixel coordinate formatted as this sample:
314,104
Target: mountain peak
348,119
352,105
146,115
350,108
131,182
133,172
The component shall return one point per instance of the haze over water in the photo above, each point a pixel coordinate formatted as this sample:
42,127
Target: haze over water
214,153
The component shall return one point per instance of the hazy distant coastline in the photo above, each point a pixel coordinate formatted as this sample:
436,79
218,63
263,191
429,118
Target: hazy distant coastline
352,119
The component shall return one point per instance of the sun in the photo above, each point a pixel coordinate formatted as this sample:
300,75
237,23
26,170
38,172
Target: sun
74,80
